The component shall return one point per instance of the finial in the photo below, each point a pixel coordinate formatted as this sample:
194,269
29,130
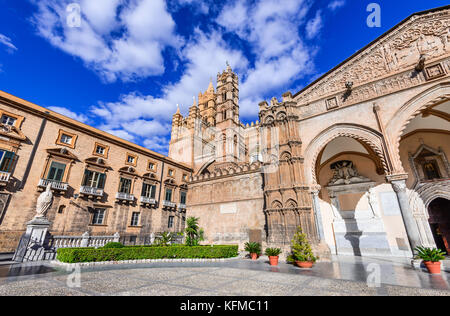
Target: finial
178,109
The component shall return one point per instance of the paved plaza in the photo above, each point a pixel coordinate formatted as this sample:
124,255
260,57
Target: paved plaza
239,277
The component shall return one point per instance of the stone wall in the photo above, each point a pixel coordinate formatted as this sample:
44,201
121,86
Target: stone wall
230,208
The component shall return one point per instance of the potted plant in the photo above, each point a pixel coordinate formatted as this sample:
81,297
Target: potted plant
431,258
273,254
254,249
302,253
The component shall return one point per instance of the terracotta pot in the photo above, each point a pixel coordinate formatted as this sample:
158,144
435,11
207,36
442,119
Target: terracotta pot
304,264
433,267
273,260
254,256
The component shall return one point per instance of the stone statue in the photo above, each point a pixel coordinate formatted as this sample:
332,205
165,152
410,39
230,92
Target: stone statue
44,202
345,173
373,202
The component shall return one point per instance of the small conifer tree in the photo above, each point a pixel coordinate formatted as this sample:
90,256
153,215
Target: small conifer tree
301,249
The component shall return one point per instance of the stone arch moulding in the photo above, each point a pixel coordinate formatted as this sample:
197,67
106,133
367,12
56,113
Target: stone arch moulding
361,133
206,166
419,201
431,191
427,99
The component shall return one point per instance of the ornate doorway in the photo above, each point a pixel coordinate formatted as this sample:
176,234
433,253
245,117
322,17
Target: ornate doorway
439,210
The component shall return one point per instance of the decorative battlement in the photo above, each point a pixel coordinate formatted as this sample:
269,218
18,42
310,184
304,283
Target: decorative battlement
251,125
228,172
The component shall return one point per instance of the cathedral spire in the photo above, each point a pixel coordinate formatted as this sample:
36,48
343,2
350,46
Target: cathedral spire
210,87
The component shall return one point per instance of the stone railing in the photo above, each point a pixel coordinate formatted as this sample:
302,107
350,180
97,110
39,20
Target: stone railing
125,196
56,185
91,191
4,176
82,241
182,207
147,200
169,204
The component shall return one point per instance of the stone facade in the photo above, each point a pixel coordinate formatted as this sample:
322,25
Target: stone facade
355,158
85,167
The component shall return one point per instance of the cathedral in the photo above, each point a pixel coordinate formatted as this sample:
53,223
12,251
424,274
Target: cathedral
358,158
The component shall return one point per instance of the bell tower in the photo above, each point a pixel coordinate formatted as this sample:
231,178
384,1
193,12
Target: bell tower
227,101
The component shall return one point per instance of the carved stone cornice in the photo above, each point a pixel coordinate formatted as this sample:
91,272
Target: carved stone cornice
279,188
397,177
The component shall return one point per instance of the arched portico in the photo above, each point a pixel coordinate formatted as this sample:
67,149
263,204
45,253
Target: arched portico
400,120
418,133
365,135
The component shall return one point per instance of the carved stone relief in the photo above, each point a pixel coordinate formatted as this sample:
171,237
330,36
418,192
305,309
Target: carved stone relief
426,35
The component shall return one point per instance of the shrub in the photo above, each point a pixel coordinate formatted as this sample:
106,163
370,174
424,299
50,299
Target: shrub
165,239
430,254
301,249
273,252
113,245
75,255
253,247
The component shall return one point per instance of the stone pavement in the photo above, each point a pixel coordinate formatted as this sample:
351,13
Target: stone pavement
343,276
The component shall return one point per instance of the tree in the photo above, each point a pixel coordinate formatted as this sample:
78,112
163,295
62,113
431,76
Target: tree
194,234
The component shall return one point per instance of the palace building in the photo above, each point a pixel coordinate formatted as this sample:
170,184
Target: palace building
358,159
101,184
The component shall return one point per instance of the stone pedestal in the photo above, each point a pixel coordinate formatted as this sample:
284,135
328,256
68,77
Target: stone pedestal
358,233
35,240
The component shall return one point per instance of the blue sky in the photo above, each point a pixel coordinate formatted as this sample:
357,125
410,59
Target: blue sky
131,61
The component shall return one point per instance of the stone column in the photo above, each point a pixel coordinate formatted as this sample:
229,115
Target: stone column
399,186
318,214
322,248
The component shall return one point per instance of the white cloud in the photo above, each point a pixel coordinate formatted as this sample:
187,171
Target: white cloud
79,117
145,28
336,4
139,116
278,56
5,40
160,144
201,6
281,55
314,26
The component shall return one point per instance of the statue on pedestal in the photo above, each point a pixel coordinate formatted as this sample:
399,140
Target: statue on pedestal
44,203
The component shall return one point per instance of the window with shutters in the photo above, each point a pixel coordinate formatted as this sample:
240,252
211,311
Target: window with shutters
125,185
56,171
94,179
7,160
149,190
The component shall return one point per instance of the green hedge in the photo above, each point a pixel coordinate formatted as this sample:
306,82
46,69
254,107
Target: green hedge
75,255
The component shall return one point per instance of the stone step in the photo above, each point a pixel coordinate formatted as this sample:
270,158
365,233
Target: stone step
6,256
